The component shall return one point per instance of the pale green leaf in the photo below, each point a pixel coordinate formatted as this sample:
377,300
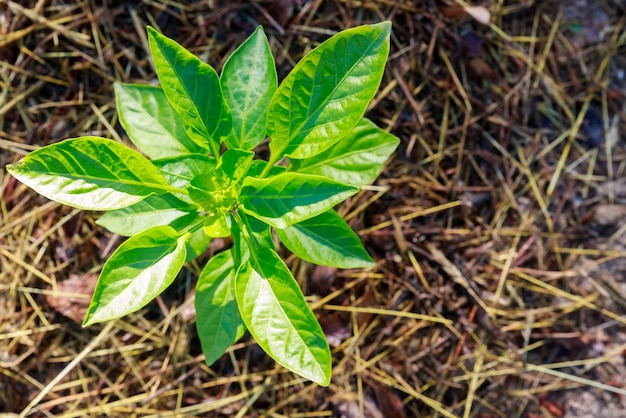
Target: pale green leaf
289,198
357,159
90,173
138,271
151,123
248,81
326,240
327,92
276,314
153,211
193,89
180,171
218,320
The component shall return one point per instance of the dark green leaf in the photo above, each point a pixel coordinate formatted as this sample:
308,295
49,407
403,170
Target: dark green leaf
151,122
326,240
249,81
139,270
289,198
357,159
217,315
327,92
90,173
193,89
274,310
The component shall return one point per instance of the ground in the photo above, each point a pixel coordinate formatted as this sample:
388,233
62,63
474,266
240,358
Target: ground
499,288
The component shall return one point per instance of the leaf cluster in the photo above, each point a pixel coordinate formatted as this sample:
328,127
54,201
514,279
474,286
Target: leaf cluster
202,180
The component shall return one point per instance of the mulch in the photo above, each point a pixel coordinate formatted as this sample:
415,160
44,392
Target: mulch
497,228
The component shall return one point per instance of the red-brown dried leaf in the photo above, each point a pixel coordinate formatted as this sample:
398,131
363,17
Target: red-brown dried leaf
72,296
280,10
368,300
389,403
335,328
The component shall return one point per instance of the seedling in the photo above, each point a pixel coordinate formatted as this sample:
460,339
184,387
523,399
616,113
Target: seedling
203,180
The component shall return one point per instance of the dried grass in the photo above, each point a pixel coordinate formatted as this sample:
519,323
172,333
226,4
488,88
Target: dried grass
498,284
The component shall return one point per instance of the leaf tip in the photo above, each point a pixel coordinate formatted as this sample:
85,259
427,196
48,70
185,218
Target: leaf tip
88,321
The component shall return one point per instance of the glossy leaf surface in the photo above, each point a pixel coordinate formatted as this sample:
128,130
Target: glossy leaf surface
218,320
326,240
151,123
138,271
152,211
193,89
274,310
234,165
89,173
357,159
327,92
289,198
180,171
248,81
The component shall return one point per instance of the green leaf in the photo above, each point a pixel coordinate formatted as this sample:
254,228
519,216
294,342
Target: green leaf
138,271
203,191
248,81
289,198
327,92
218,320
234,164
326,240
274,310
217,225
152,211
193,89
151,122
258,166
89,173
180,171
196,244
357,159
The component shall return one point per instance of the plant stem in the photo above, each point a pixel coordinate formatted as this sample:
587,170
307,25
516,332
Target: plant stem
245,233
269,165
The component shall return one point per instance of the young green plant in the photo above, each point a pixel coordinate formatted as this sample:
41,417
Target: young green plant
203,180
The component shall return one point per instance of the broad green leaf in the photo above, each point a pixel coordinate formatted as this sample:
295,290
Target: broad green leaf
234,164
138,271
151,122
289,198
153,211
258,166
326,240
179,171
327,92
196,244
248,81
216,225
259,229
276,314
218,320
357,159
89,173
193,89
204,192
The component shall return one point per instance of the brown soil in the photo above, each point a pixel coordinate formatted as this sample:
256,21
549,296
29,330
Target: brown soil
500,284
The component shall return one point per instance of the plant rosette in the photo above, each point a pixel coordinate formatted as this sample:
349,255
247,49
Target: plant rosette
196,177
